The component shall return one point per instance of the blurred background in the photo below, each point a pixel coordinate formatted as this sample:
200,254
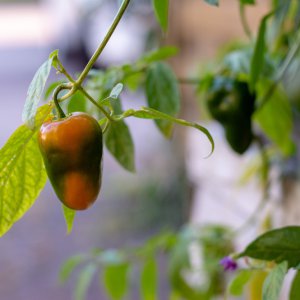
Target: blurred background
173,184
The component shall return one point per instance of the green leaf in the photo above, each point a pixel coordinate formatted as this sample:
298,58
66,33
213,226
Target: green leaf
212,2
77,103
237,285
69,215
54,56
119,142
161,9
133,81
22,173
276,120
159,54
258,58
163,94
277,245
149,280
116,280
274,281
247,1
35,92
68,267
54,53
116,91
149,113
281,15
50,89
295,288
84,280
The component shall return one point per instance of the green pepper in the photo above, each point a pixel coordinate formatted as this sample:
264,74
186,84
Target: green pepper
72,152
230,102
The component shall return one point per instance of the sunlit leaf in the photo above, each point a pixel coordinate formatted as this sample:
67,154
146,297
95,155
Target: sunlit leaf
273,283
69,215
22,173
237,285
35,93
149,280
116,91
115,279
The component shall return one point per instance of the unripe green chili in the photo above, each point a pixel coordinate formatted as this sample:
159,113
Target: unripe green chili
230,102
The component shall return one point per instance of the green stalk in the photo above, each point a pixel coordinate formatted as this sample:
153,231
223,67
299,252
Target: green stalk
60,88
97,53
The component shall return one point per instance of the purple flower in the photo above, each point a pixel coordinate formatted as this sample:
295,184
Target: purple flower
228,263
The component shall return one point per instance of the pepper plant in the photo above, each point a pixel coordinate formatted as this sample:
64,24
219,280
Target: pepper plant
250,90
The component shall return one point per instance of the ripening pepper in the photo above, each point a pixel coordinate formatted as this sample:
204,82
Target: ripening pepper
72,152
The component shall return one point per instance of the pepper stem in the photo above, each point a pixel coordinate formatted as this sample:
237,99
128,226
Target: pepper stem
60,88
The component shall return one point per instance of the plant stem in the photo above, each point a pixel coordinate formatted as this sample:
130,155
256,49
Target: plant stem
104,43
85,93
266,189
244,21
60,88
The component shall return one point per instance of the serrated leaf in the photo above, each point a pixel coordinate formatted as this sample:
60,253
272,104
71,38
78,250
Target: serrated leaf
274,281
119,142
159,54
163,94
276,120
237,285
69,215
35,92
277,245
84,280
149,280
68,267
161,9
257,61
22,173
115,278
116,91
295,287
212,2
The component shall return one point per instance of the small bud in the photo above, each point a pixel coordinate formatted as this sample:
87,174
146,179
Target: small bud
228,263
